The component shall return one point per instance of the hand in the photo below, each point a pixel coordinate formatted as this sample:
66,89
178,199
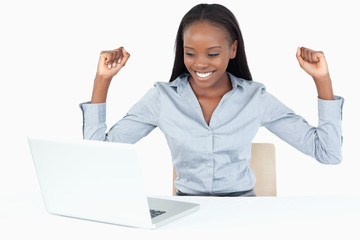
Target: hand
313,62
110,63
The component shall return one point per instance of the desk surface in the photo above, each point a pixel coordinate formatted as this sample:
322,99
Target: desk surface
333,217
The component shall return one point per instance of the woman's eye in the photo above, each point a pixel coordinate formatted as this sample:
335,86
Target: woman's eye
213,54
190,54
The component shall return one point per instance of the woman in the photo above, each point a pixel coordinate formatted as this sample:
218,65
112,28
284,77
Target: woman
211,109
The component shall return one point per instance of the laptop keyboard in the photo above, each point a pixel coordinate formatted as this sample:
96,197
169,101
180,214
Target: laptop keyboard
155,213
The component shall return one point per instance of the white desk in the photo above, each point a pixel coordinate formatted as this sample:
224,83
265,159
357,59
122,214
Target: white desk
23,216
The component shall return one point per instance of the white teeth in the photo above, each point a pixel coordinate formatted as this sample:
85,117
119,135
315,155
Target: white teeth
203,75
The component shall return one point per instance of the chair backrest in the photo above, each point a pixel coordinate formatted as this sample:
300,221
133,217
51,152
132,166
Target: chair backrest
263,165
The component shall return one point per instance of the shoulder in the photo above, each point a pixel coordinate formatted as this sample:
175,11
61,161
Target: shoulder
247,85
176,85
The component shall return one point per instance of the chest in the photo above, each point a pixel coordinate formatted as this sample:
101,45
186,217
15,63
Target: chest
191,115
195,124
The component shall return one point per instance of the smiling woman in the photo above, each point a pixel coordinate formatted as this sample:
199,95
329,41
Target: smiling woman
211,110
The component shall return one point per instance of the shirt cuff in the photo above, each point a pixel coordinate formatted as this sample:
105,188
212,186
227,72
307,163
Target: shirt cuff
93,113
330,110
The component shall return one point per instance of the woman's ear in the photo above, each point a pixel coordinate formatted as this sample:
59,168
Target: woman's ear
233,49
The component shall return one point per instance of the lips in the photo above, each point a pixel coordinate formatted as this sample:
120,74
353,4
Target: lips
204,75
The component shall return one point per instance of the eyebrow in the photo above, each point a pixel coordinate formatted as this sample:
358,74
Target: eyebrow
206,49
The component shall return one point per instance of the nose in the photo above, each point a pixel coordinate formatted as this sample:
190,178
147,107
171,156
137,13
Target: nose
201,62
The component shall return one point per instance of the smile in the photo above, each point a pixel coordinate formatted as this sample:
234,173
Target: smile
204,75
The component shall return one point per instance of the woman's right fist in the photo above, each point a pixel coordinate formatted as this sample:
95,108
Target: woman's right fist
110,62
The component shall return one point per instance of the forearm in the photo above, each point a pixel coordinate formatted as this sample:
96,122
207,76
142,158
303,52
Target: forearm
100,90
324,88
328,135
94,118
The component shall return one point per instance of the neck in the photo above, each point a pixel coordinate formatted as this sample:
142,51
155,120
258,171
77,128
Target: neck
216,91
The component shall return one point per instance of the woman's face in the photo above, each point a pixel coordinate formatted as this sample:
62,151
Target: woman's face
207,51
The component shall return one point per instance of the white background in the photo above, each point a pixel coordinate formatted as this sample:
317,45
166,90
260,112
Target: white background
49,52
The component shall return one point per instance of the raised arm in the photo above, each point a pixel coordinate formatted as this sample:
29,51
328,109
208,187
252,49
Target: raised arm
140,119
323,142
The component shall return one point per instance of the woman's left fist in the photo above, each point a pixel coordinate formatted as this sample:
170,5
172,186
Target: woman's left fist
313,62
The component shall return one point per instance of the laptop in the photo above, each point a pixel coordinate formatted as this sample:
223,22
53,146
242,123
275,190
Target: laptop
99,181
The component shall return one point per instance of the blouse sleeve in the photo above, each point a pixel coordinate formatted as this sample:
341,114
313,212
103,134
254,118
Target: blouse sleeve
323,142
140,120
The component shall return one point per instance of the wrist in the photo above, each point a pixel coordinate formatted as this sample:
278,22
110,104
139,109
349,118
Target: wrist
322,78
102,79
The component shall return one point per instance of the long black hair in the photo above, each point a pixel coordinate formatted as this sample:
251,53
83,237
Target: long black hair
219,16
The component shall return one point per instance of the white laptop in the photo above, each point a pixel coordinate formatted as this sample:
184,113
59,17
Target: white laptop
99,181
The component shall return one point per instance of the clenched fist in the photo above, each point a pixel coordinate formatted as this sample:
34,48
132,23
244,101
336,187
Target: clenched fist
314,63
110,62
